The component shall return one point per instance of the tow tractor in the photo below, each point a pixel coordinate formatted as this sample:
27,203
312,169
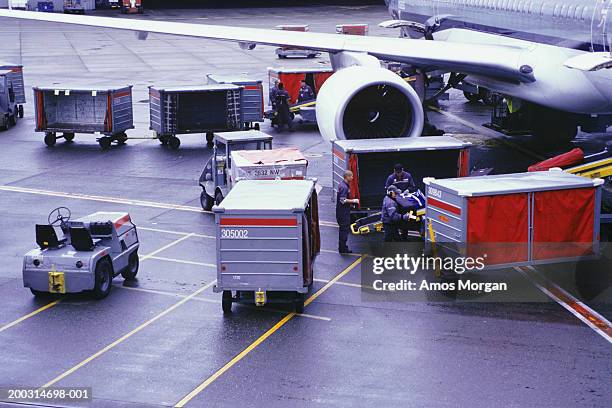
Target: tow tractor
215,178
91,252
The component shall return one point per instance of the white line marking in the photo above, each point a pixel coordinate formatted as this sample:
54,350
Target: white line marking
164,231
181,261
173,243
583,312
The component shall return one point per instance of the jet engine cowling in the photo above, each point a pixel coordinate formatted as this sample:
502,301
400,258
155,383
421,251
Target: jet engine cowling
368,103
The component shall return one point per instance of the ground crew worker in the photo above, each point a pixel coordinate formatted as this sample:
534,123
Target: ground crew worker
343,211
399,175
390,217
283,114
273,92
306,93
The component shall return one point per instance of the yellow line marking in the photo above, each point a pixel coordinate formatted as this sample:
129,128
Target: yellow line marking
161,258
353,285
488,132
115,200
262,338
34,313
50,305
127,336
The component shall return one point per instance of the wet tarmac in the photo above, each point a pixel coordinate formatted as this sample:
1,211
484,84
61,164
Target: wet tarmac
163,340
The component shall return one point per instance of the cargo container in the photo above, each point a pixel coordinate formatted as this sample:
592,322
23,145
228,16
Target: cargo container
267,239
372,161
283,164
292,52
291,77
195,109
105,111
79,6
45,7
9,110
516,219
15,77
131,6
252,97
352,29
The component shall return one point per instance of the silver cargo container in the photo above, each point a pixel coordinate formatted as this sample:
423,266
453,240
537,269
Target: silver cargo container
267,240
252,97
70,110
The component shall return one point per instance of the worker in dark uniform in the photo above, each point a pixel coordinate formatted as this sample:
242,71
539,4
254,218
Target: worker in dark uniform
306,93
390,217
399,175
343,211
273,92
283,114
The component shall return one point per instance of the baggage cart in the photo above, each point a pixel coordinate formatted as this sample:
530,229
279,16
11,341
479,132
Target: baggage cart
131,7
291,52
516,219
291,77
195,109
352,29
276,164
252,97
9,110
215,179
78,6
267,240
372,160
16,78
98,110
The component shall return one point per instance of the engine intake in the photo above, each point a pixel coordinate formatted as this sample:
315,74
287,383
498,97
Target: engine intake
368,103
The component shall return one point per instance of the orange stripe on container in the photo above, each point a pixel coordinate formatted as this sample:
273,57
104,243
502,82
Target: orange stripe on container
444,206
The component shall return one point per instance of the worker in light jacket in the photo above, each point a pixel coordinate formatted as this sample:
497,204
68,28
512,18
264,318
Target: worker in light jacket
343,211
390,216
400,175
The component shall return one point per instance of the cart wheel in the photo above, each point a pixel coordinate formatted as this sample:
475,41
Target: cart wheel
174,142
103,279
312,55
50,139
163,139
226,301
130,272
298,303
69,137
105,142
256,126
121,138
280,56
206,201
218,197
209,138
13,119
20,111
39,293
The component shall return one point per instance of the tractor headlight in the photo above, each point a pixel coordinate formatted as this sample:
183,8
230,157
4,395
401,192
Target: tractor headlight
79,264
36,262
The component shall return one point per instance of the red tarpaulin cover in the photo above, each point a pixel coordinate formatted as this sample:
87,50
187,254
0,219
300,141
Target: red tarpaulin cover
275,156
574,156
563,223
354,167
292,84
497,227
319,80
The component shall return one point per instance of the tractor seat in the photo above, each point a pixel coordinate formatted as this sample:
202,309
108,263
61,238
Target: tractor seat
81,240
46,237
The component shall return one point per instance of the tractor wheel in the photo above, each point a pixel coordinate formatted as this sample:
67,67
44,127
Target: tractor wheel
69,137
256,126
174,142
206,201
12,119
209,138
103,279
226,302
105,142
130,272
298,303
20,111
471,97
50,139
218,197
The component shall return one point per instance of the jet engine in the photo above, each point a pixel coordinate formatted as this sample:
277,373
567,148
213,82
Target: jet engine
367,103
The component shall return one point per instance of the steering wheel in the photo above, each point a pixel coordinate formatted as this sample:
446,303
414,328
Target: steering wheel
60,215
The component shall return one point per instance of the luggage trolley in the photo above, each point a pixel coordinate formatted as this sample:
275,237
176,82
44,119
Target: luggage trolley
70,110
195,109
15,76
291,52
267,240
9,110
252,97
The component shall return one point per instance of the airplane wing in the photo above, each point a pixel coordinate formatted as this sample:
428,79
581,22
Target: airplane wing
497,61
